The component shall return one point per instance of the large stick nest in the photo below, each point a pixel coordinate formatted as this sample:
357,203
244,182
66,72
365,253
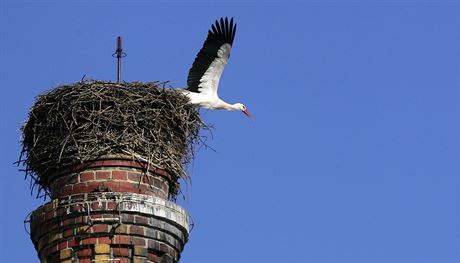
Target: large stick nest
77,123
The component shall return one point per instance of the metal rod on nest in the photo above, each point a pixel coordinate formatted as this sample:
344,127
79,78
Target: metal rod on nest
119,54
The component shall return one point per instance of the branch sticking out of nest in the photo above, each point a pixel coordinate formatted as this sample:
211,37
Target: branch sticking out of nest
77,123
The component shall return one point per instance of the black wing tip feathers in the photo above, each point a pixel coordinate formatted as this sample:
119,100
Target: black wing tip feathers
224,28
221,32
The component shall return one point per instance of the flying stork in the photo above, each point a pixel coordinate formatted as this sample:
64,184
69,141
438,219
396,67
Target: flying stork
203,78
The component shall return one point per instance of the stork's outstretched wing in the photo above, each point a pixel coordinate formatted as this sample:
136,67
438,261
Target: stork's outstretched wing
209,63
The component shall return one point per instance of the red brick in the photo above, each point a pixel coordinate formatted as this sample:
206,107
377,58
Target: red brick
111,205
100,228
86,252
104,240
66,190
95,185
86,260
128,185
73,242
120,175
120,251
86,176
81,188
122,240
102,175
96,206
91,240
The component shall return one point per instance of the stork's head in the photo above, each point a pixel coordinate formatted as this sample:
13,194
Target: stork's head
241,107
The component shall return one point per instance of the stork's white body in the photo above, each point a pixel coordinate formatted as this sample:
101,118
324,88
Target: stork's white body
207,102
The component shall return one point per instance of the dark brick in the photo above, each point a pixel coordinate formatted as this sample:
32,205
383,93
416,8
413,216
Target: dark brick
134,176
71,179
69,232
136,230
66,190
153,244
126,218
141,220
76,208
120,251
85,252
49,215
138,241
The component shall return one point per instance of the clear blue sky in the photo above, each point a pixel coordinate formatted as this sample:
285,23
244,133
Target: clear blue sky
354,153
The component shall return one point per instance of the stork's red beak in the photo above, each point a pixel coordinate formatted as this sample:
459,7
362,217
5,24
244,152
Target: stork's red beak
247,114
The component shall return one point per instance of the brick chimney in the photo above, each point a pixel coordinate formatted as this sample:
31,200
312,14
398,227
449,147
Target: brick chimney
109,155
113,209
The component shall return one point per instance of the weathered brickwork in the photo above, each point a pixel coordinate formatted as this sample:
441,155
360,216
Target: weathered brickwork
111,176
110,211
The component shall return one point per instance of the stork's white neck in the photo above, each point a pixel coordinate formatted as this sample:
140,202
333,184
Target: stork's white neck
220,104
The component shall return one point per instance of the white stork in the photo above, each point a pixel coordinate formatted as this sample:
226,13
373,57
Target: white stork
203,77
